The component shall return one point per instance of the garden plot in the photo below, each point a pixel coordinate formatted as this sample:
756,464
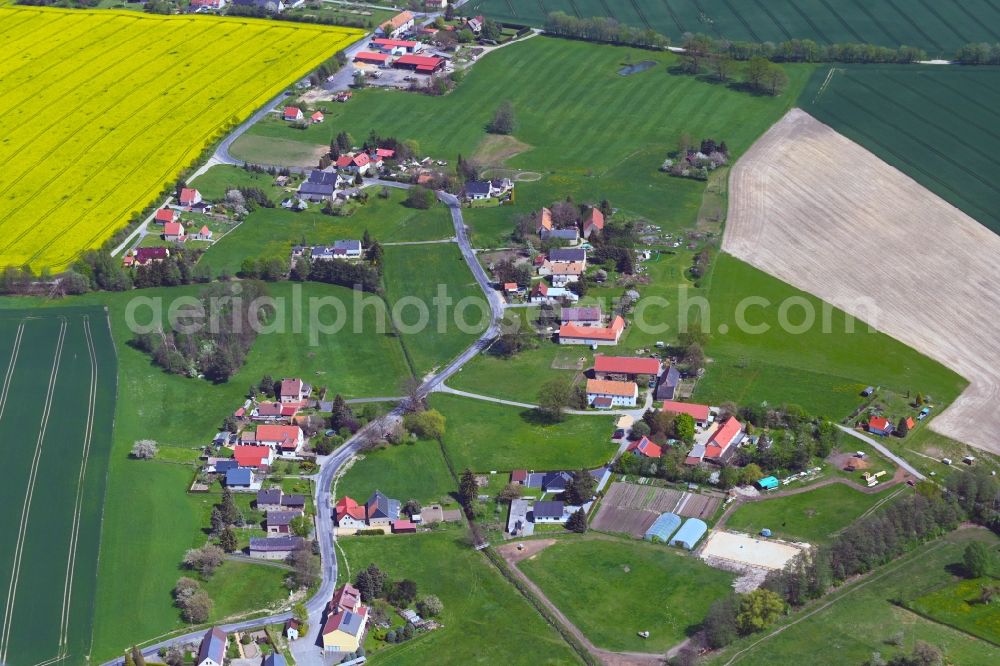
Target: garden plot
631,508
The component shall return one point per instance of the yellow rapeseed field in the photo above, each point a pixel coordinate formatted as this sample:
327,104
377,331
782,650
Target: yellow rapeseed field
100,110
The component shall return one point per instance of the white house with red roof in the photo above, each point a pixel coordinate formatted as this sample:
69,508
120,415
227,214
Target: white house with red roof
625,367
189,197
571,334
317,117
646,447
174,231
879,425
165,215
354,163
398,25
350,515
702,414
286,440
292,114
605,394
346,621
256,457
720,446
293,390
203,234
208,4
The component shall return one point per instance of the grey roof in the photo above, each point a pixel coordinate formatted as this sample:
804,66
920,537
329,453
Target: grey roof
548,510
269,496
571,233
241,476
275,544
567,253
325,177
478,187
380,506
275,659
580,314
321,189
550,482
213,646
293,500
689,533
352,623
281,517
225,465
668,384
665,525
348,245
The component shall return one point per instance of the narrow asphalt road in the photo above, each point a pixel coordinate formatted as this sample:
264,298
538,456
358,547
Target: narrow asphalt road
881,448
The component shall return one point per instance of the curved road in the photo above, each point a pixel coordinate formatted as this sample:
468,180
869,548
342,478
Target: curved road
305,650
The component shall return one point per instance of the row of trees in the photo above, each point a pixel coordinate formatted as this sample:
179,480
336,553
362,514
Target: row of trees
800,50
602,29
979,54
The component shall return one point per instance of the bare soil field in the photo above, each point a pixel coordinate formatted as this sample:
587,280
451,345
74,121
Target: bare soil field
630,508
820,212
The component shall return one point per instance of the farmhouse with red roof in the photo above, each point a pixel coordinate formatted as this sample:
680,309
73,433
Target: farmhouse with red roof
293,390
625,367
189,196
571,334
174,231
287,440
317,117
420,64
398,25
164,215
700,413
257,457
292,114
604,394
646,447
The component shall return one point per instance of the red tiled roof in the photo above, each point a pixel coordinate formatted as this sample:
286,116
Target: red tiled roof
726,433
594,218
345,598
545,219
909,422
420,61
188,195
317,116
540,289
878,423
361,159
291,387
205,231
349,507
251,456
698,412
292,111
519,475
344,160
392,43
605,387
612,332
385,152
646,447
398,20
368,56
630,365
173,229
166,215
510,286
282,435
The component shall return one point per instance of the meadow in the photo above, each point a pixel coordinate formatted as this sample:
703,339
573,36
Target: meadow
71,174
611,589
484,436
958,605
936,125
486,621
939,27
823,372
814,516
413,470
56,408
864,617
591,151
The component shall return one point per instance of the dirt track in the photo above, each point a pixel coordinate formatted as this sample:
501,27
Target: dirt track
820,212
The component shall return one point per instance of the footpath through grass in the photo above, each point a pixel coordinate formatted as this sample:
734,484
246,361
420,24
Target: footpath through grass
862,618
611,589
486,621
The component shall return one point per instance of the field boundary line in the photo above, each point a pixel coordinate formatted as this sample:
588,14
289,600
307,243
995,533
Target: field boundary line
10,367
933,10
878,24
26,507
916,26
979,20
78,506
673,15
847,26
808,19
746,24
778,24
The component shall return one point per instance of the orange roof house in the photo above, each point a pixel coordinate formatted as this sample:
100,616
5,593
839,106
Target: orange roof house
608,387
252,456
592,221
646,447
609,335
317,117
720,444
164,215
698,412
545,219
189,196
292,113
626,365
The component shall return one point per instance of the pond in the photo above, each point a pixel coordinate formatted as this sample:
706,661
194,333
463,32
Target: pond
636,68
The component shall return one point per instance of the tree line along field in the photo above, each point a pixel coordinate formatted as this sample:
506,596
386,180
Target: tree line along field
937,125
612,149
102,109
57,401
937,27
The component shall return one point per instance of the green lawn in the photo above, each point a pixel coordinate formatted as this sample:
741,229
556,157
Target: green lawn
611,589
283,151
237,587
271,232
518,378
957,605
414,470
863,617
430,328
813,516
219,179
485,619
484,436
817,369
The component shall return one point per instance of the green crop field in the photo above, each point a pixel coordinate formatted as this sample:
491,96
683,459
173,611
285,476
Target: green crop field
484,436
937,125
271,232
486,621
57,403
433,331
612,149
611,589
414,470
939,27
822,371
813,516
863,617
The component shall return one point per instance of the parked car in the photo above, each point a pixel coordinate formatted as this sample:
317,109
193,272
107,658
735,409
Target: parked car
620,433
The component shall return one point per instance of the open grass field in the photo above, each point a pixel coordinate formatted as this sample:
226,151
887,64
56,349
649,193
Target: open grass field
486,621
519,378
146,94
938,27
829,245
823,371
484,436
958,605
433,330
561,132
936,125
862,617
813,516
408,471
612,588
57,397
271,232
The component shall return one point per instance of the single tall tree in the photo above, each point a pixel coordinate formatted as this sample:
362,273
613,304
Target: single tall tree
577,522
468,489
230,512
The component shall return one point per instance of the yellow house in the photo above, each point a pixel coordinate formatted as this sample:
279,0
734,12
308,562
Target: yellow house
346,621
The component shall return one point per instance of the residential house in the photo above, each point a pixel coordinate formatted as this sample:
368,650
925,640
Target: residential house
173,231
476,190
548,512
568,255
270,6
548,482
269,500
569,234
292,114
274,548
700,413
144,256
240,479
189,197
312,191
605,394
581,316
208,4
398,25
593,222
543,293
350,515
372,58
268,412
347,249
570,334
165,215
622,368
435,5
879,425
317,117
279,522
381,511
354,163
544,221
257,457
475,24
563,273
293,390
519,476
395,46
646,447
291,629
666,388
346,620
212,651
286,440
721,446
203,234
